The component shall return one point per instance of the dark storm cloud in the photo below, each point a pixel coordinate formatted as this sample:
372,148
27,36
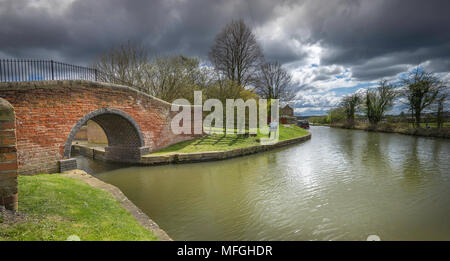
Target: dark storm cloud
409,32
439,65
321,77
85,28
378,72
277,52
373,38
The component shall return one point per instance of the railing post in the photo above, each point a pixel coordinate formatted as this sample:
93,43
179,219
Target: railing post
95,70
53,75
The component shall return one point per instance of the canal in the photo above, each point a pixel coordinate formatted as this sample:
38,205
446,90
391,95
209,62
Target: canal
340,185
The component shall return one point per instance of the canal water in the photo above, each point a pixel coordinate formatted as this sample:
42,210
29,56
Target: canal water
340,185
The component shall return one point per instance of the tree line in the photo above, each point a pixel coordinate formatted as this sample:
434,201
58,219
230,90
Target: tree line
420,91
236,69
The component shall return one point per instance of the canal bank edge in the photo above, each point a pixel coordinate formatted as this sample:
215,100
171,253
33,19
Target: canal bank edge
117,194
443,133
179,158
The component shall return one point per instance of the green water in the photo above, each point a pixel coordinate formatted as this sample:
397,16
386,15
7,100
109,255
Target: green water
340,185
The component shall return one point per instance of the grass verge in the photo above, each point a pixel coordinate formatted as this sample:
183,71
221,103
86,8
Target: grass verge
54,207
227,142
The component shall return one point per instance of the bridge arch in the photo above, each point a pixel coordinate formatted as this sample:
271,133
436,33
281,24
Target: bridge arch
125,139
49,113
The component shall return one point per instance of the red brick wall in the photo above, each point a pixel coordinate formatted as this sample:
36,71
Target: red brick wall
8,157
47,111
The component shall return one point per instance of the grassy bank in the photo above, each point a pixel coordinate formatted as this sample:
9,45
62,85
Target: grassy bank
228,142
402,129
54,207
431,125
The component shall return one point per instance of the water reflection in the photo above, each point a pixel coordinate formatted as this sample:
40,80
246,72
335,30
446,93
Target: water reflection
342,184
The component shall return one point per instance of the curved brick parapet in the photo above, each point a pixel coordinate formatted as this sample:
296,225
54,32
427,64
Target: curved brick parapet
49,113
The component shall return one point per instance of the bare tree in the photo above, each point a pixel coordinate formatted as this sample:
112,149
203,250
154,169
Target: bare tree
175,77
235,53
124,64
168,78
421,90
440,100
350,105
378,101
274,82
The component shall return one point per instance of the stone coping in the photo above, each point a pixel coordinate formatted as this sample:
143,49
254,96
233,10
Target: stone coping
117,194
53,84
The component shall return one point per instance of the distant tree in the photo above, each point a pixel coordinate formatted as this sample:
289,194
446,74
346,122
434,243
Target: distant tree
378,101
174,77
167,78
402,116
336,115
236,54
421,90
441,99
319,119
274,82
124,64
223,89
350,104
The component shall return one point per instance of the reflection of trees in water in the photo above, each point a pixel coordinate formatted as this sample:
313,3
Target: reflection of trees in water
366,149
437,148
413,168
374,153
414,159
346,141
426,158
347,146
441,153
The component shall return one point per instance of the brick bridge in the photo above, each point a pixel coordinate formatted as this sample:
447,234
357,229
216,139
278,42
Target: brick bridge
46,115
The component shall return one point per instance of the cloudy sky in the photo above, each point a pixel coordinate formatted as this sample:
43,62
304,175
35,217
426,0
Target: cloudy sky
332,48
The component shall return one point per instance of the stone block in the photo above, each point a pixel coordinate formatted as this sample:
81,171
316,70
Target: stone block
67,164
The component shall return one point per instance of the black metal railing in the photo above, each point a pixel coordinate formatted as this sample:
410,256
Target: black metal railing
23,70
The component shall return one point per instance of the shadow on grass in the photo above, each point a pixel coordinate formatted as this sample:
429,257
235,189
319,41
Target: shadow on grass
236,139
222,142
